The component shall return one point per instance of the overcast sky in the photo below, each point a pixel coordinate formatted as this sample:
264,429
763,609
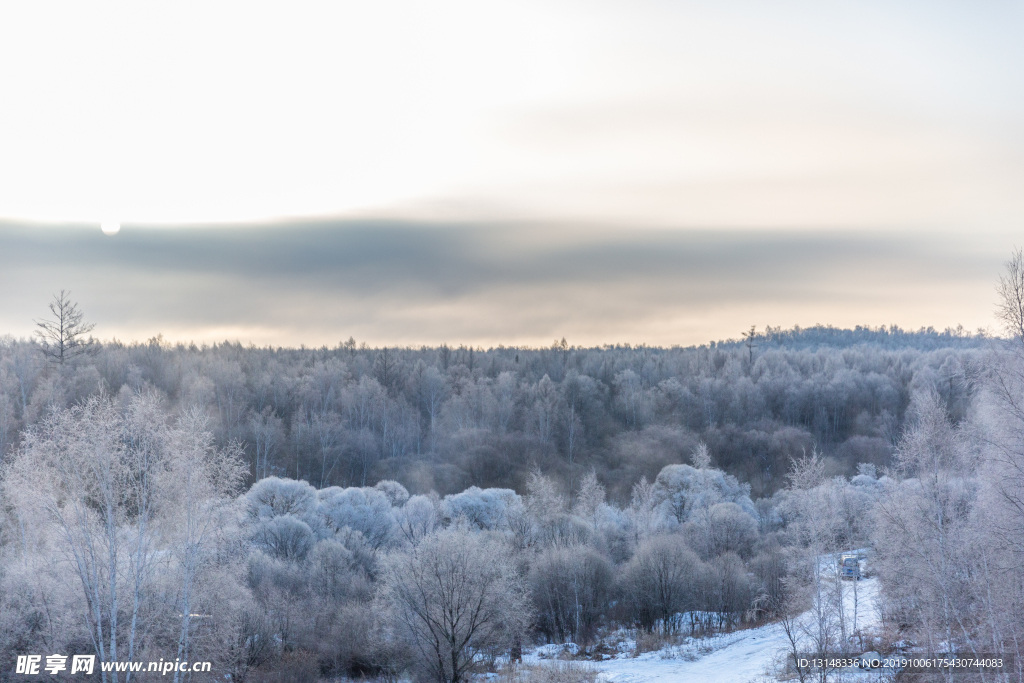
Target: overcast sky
484,172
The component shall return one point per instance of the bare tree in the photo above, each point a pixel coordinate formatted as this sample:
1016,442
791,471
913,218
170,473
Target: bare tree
63,336
1011,294
453,598
1001,513
433,392
748,341
570,588
268,433
659,583
822,629
384,368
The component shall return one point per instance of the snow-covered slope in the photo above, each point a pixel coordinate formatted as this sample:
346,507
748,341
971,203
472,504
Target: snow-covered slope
742,657
737,657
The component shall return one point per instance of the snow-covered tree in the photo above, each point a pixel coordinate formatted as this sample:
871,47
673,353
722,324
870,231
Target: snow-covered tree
452,599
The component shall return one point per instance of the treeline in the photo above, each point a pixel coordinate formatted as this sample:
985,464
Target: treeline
891,337
442,419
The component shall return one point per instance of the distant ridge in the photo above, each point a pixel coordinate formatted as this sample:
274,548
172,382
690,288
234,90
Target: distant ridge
891,337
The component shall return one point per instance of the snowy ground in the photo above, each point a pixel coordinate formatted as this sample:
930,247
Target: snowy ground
738,657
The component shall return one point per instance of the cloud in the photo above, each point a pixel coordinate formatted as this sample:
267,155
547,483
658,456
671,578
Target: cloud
410,283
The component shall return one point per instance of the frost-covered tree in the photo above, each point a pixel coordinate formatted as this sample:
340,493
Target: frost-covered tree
484,508
924,526
78,473
365,510
814,587
418,518
285,537
127,502
724,527
570,588
63,335
273,496
685,491
455,598
267,434
701,456
1010,308
661,582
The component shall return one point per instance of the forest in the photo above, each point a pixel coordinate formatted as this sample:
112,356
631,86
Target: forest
435,513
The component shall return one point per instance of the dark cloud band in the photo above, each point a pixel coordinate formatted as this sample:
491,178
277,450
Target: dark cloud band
316,282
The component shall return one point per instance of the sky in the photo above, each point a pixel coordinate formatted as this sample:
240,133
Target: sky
492,172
